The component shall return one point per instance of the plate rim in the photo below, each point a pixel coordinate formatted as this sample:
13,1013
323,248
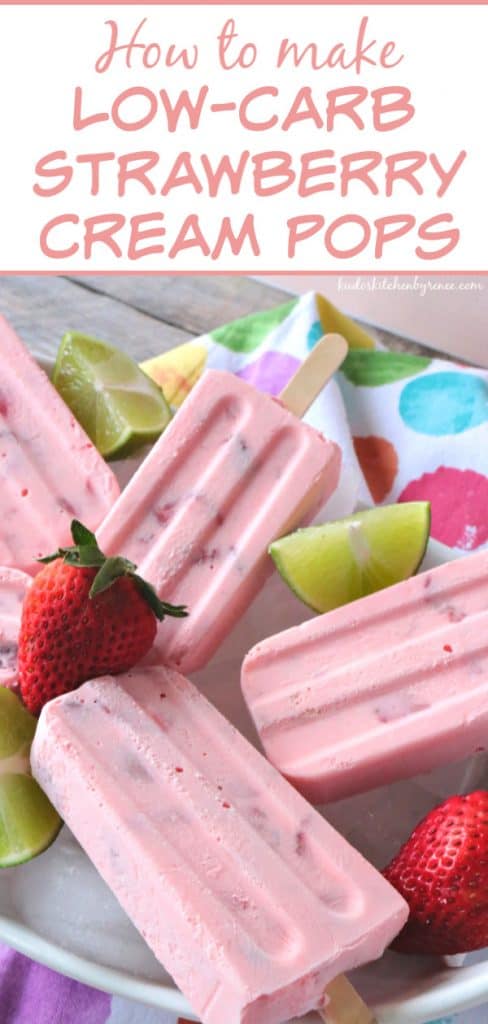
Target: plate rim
25,940
446,991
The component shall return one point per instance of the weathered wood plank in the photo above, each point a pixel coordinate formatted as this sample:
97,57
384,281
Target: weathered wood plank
413,348
41,309
144,315
197,304
194,304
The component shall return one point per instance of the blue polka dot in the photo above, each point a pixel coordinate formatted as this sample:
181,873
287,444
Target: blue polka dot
444,403
315,333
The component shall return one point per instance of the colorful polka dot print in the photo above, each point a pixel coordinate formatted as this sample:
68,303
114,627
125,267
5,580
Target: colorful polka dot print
444,403
378,459
375,369
459,503
271,372
410,427
250,332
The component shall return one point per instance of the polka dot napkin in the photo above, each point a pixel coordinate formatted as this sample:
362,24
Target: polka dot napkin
409,428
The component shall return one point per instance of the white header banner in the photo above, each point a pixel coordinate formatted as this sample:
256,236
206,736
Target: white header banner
181,138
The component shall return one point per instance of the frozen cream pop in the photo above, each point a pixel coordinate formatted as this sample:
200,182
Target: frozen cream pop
248,897
384,688
13,587
50,472
233,471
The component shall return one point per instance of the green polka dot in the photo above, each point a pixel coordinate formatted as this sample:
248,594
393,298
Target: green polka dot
373,369
246,334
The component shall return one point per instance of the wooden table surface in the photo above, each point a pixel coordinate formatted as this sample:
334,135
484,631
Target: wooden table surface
144,315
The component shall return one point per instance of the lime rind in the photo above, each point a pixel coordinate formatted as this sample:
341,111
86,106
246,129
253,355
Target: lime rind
330,565
17,726
28,821
118,405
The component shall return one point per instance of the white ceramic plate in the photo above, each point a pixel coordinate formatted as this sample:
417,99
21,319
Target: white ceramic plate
57,910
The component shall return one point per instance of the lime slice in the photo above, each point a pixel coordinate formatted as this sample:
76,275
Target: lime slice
117,404
330,565
28,822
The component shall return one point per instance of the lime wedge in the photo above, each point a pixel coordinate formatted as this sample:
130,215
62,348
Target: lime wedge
117,404
28,822
329,565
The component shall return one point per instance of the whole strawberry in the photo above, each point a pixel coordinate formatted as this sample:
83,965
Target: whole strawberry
442,873
84,615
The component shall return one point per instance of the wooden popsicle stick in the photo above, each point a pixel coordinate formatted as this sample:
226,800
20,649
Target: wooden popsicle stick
324,359
345,1005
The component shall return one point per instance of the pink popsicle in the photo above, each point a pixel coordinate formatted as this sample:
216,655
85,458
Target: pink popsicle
233,471
247,896
50,472
385,688
13,587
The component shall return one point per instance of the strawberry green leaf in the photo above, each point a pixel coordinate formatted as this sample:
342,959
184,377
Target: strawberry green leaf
86,556
178,611
111,570
160,608
84,552
81,535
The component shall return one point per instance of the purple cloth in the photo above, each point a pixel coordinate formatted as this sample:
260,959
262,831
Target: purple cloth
32,994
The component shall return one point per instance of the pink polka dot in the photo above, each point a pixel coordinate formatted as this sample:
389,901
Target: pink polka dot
459,500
